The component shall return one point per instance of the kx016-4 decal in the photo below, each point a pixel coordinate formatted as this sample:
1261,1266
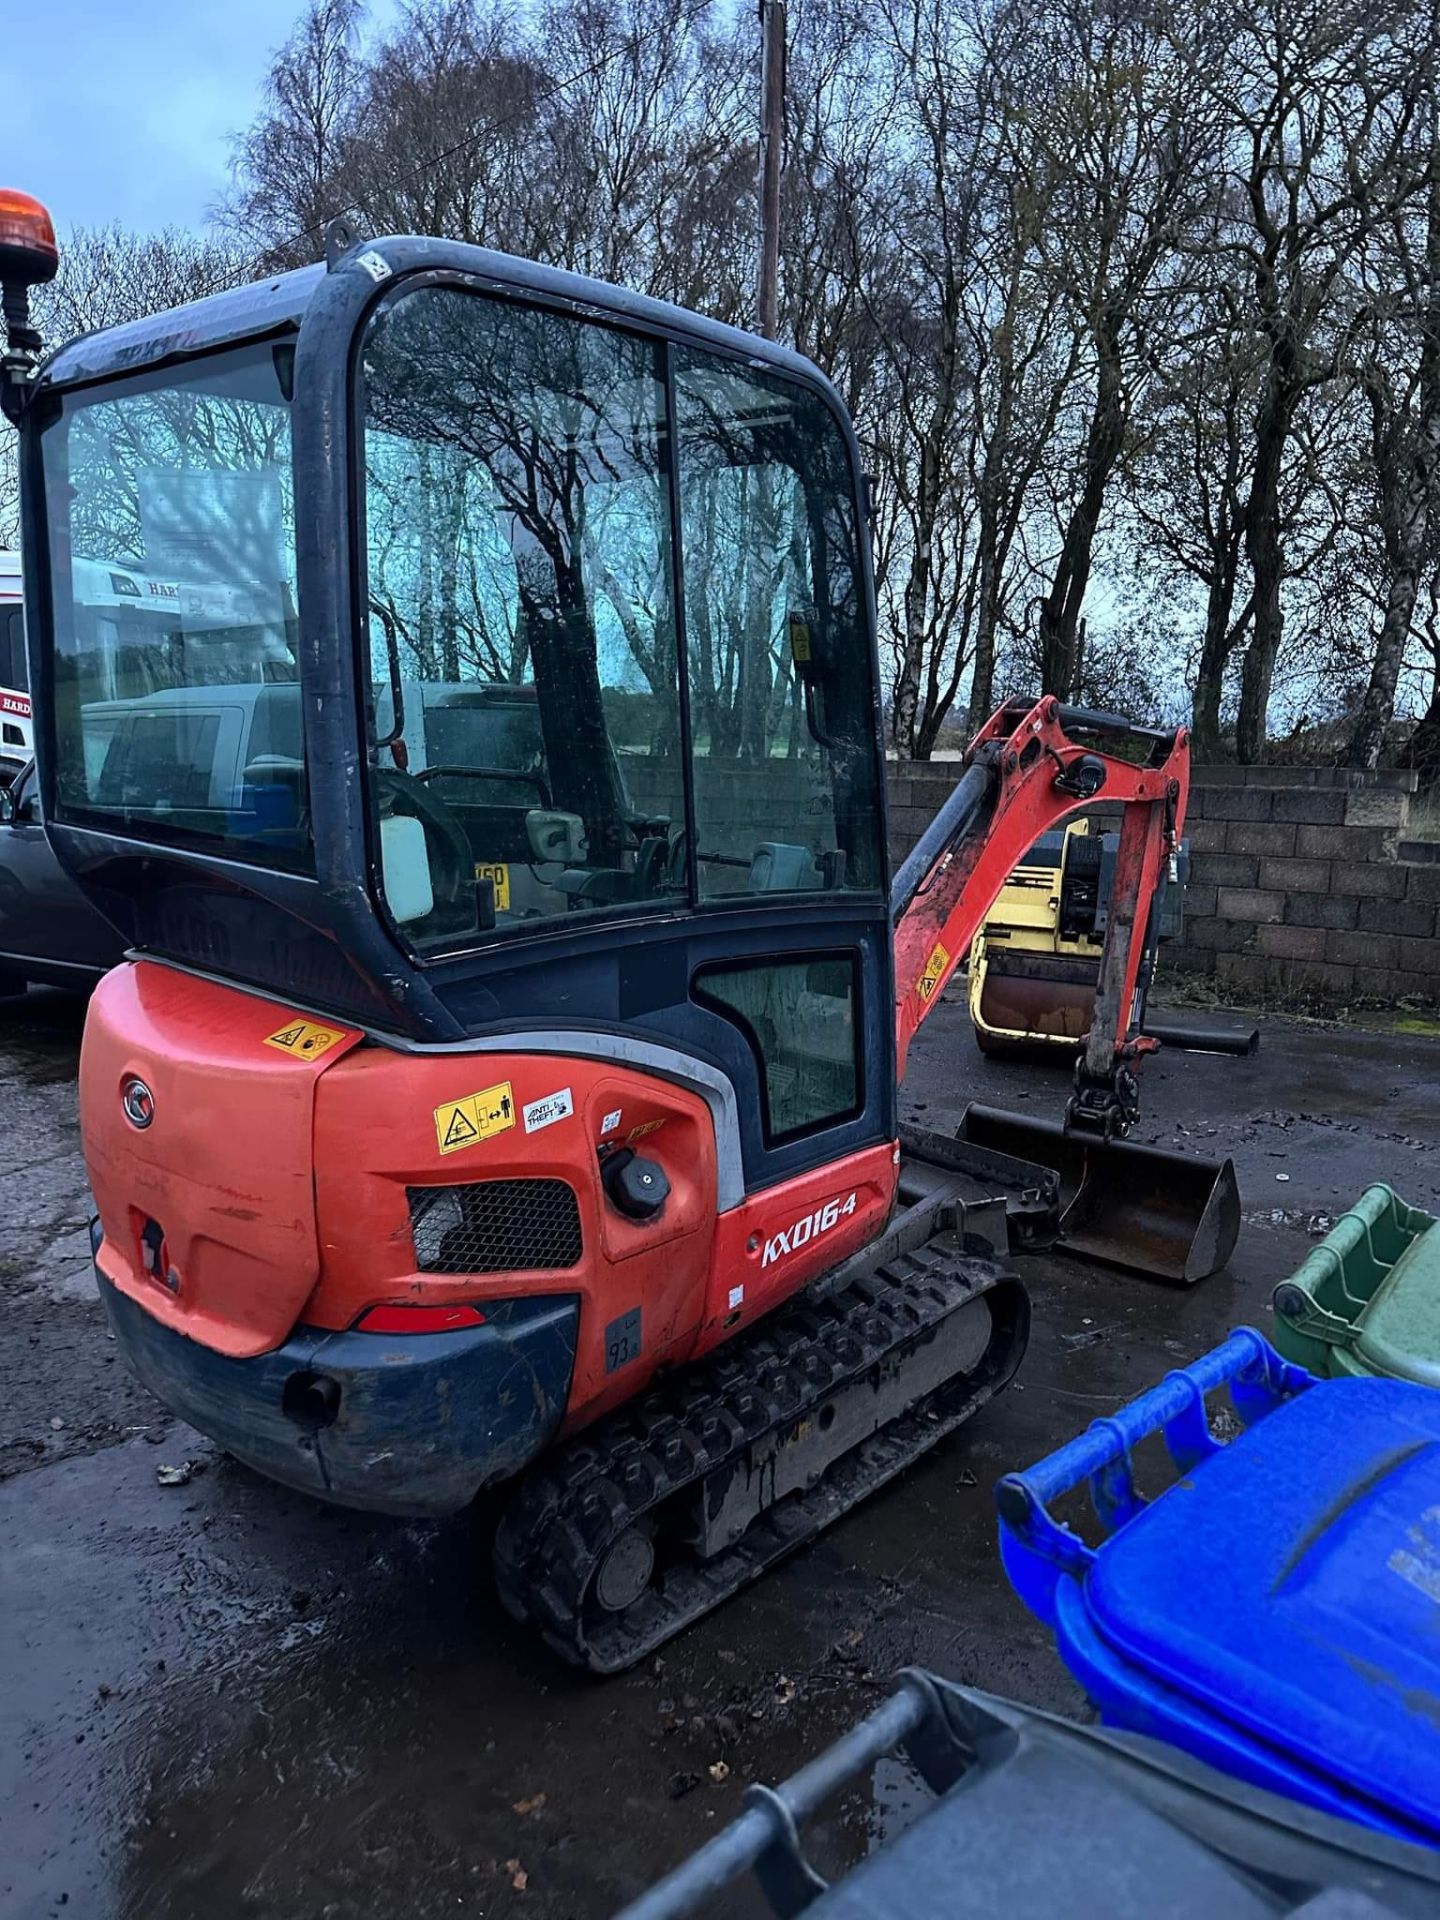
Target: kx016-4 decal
790,1239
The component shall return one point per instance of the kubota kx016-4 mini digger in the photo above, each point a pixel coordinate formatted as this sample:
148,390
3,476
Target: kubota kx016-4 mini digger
516,1005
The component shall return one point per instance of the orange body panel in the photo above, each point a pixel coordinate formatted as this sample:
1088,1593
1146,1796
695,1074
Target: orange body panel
375,1135
782,1239
225,1166
280,1182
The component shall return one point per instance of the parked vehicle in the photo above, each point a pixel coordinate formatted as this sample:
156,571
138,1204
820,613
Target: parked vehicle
457,1267
196,755
49,932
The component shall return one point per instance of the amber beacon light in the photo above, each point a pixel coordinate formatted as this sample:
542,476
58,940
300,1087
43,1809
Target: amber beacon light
28,252
28,257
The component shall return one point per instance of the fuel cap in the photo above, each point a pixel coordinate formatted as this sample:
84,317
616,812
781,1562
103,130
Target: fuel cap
637,1188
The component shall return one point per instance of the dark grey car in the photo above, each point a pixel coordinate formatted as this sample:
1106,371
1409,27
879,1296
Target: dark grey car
49,932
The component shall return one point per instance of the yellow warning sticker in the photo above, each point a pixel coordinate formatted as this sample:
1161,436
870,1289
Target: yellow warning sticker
461,1123
304,1040
934,967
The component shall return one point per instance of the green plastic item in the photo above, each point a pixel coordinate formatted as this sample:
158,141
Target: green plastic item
1367,1300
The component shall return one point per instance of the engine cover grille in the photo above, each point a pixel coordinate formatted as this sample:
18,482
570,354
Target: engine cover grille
495,1226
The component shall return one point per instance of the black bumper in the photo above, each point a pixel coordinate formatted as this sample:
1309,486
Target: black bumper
406,1424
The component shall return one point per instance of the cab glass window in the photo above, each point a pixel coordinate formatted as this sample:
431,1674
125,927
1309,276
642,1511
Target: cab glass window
172,547
777,636
524,719
798,1016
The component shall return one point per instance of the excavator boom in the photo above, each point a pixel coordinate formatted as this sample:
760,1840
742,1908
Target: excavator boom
1025,774
1164,1214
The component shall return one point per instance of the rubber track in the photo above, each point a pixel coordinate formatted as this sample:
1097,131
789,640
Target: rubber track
569,1510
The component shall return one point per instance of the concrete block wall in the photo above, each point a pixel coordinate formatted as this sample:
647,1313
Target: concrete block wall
781,800
1301,893
1304,890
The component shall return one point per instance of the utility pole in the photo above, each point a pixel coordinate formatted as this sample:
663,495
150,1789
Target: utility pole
772,141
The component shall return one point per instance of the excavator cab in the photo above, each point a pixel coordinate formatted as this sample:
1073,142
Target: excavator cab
508,644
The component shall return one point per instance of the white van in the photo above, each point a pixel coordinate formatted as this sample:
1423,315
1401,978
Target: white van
17,739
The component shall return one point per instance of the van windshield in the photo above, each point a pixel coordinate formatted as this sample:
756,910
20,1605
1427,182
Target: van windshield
172,548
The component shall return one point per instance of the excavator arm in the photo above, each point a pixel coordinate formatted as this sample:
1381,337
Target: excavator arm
1024,773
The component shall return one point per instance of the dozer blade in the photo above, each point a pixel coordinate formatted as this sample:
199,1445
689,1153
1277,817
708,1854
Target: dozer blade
1158,1213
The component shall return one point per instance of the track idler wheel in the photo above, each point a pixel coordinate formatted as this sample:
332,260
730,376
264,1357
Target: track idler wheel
625,1573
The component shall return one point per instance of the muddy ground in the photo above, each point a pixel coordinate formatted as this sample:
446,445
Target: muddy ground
222,1699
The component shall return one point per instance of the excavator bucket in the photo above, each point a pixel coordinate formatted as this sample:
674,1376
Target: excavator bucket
1157,1213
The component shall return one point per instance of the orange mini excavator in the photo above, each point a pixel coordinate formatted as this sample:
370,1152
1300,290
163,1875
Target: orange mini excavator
457,680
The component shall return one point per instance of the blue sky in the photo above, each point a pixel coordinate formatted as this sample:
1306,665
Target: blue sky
122,109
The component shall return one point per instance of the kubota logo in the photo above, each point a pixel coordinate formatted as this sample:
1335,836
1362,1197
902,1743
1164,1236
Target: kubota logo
792,1238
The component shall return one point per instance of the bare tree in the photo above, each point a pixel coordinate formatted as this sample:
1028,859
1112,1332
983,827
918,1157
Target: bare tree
1105,110
1187,486
915,309
964,376
290,159
1422,749
1132,307
1398,372
1321,104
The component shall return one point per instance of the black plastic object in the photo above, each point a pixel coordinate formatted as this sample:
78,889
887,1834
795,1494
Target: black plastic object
1158,1213
637,1188
1237,1040
1084,779
311,1400
1034,1816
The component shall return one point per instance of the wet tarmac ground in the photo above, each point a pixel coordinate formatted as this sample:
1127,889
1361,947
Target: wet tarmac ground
221,1699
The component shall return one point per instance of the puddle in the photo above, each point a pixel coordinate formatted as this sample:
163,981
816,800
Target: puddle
1316,1225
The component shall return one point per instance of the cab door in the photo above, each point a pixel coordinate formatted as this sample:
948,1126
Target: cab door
790,958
